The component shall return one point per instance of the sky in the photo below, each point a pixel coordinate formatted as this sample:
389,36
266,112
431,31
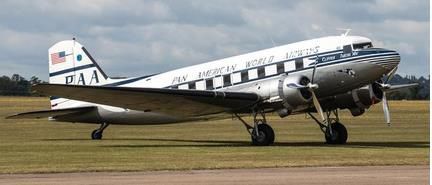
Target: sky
136,38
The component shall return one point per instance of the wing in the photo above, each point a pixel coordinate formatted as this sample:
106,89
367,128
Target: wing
51,113
177,102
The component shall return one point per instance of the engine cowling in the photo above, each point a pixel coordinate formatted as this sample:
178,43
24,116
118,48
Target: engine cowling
293,97
358,100
281,91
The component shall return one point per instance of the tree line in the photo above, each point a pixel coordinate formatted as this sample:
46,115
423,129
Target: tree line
17,85
421,92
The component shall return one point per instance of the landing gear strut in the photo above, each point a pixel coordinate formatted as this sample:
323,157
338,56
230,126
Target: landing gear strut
97,134
261,133
334,131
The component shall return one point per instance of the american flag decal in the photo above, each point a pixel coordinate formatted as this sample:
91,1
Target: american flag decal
57,58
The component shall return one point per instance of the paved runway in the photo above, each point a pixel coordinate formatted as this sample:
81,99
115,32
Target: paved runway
383,175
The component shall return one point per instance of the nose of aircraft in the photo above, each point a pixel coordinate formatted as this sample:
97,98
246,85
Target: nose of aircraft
388,59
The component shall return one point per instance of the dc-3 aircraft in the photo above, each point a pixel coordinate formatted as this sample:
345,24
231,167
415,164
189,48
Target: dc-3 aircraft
313,76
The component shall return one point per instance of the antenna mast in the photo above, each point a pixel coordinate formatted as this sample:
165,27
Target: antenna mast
347,30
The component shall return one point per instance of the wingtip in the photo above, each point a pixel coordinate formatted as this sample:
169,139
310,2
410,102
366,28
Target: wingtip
12,116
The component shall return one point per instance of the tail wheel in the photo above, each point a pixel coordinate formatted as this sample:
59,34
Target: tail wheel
264,137
339,134
96,134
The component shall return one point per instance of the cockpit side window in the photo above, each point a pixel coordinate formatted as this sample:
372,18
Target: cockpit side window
347,49
362,45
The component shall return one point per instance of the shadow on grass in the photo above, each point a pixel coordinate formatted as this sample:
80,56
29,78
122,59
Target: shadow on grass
231,143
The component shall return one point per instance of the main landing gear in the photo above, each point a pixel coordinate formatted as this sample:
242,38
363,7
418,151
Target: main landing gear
261,133
97,134
334,131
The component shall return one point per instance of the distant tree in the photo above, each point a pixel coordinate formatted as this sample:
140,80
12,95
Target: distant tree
421,92
35,80
14,86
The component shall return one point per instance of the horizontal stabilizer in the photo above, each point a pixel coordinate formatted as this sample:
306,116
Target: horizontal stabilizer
50,113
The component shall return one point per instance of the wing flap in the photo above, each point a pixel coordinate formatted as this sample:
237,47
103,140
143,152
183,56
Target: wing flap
178,102
50,113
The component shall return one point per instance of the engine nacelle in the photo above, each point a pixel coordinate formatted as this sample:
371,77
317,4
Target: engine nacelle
281,91
358,100
293,97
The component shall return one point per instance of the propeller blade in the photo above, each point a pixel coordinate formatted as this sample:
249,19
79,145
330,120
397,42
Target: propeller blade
296,86
314,69
390,75
386,109
317,105
311,86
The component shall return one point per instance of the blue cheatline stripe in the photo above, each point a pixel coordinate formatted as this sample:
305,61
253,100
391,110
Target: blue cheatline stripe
140,78
71,70
269,64
126,81
321,64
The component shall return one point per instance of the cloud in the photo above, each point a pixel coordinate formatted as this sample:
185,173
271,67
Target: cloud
133,38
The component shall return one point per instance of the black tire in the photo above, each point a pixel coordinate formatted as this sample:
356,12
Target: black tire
266,136
96,135
339,134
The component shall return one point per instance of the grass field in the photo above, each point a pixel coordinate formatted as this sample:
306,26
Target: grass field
39,146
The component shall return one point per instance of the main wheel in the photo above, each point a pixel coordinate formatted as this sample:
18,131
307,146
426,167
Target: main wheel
265,137
339,134
96,134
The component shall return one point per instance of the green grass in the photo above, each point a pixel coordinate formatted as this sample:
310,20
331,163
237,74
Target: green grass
40,146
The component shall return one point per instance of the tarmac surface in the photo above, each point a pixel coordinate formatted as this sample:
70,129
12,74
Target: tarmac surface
357,175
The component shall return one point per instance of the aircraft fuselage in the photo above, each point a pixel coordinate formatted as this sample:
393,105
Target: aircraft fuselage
337,64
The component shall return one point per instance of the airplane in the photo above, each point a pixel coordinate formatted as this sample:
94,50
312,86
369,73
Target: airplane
321,76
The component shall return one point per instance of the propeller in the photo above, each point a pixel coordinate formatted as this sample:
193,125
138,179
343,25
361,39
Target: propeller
386,109
311,87
384,87
316,103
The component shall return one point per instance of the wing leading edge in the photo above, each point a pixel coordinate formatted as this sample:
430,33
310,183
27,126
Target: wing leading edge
177,102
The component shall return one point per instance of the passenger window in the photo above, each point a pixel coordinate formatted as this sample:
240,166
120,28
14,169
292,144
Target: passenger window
209,84
299,63
192,85
290,66
253,73
244,76
280,68
200,85
226,80
217,82
235,78
270,70
184,86
261,72
347,49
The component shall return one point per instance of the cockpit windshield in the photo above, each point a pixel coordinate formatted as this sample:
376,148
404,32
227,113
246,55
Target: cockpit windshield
362,45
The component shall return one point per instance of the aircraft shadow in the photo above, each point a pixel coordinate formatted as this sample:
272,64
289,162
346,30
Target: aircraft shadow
232,143
218,143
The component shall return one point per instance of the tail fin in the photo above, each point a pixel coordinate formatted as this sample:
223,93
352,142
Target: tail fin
71,63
